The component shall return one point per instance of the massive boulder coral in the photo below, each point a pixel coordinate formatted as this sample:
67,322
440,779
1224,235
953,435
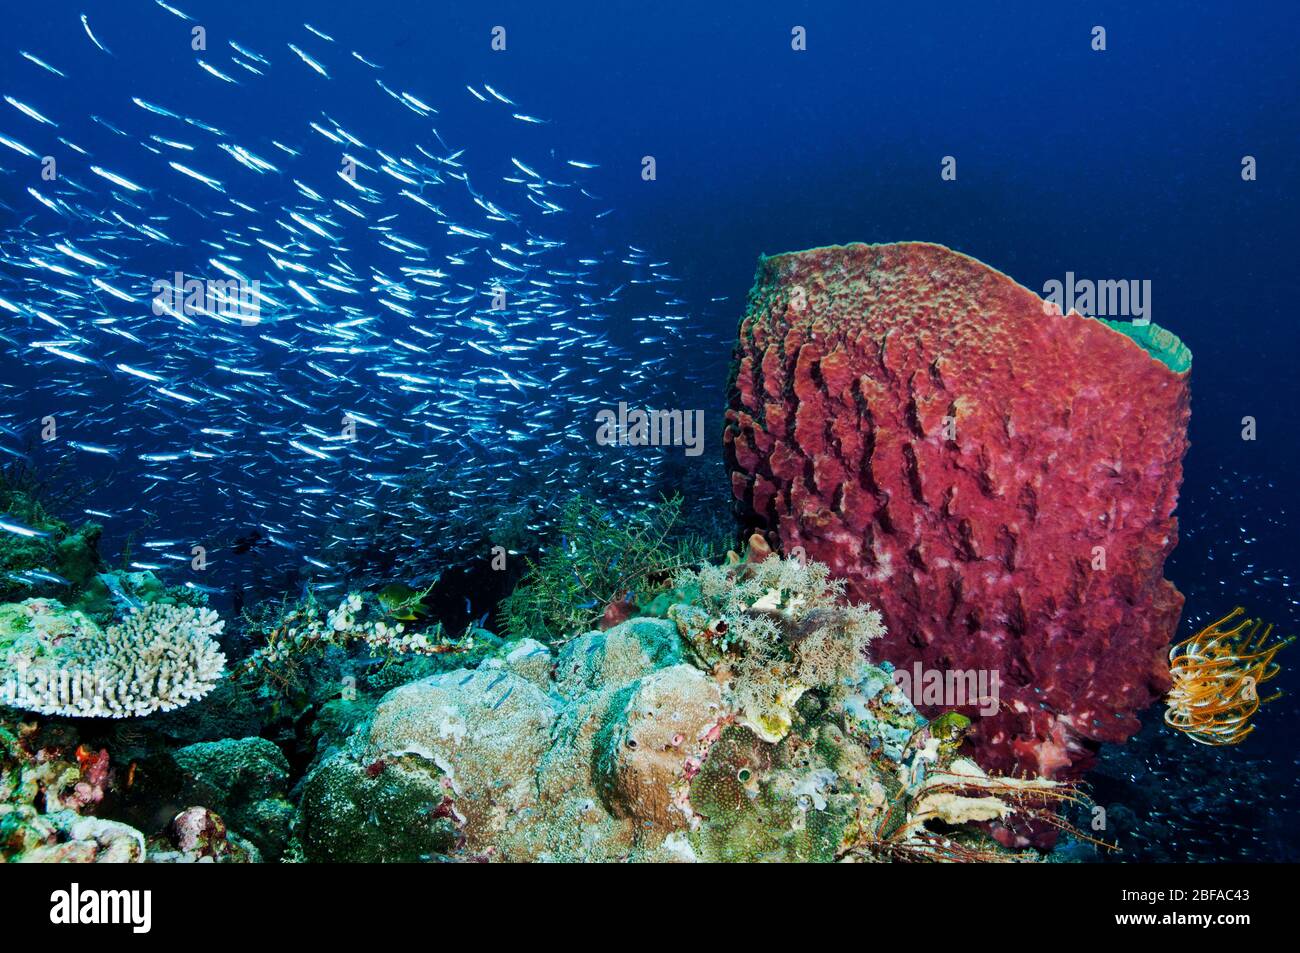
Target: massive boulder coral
653,740
520,759
997,478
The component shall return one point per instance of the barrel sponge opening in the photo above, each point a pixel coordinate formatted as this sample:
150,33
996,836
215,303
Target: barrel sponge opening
1162,345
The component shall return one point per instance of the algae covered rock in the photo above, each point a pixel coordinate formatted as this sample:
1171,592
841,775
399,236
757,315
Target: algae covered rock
235,770
373,813
758,810
109,595
632,716
530,660
245,781
61,560
36,627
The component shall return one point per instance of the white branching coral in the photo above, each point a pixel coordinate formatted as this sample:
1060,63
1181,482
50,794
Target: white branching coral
780,627
162,657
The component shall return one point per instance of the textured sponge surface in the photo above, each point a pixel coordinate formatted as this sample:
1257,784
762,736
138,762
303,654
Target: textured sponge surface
997,478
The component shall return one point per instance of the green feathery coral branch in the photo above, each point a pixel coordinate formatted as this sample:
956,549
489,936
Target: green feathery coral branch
601,557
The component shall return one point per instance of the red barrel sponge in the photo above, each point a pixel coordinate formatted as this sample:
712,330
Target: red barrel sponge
997,478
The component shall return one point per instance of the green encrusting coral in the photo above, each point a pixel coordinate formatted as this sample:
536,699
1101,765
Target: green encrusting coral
28,563
104,595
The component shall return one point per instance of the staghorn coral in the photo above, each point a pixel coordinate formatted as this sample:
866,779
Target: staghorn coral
60,663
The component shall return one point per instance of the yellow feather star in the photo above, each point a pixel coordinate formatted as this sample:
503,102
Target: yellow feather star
1216,678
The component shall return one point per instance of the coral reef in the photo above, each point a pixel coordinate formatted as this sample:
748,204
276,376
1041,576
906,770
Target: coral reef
163,655
48,787
998,479
65,837
316,670
51,789
57,661
635,743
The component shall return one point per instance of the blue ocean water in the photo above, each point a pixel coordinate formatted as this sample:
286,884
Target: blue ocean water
1122,163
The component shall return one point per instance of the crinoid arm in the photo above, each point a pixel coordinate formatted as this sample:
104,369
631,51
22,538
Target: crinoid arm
1216,677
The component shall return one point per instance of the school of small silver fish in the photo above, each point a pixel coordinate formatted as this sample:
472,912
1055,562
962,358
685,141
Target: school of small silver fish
421,306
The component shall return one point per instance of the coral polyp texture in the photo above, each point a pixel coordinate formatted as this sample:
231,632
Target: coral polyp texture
997,478
58,662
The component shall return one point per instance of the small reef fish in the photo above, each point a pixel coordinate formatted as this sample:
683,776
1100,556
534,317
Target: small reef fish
405,332
11,525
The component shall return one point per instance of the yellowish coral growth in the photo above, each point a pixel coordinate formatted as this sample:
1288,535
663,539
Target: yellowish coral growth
782,630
